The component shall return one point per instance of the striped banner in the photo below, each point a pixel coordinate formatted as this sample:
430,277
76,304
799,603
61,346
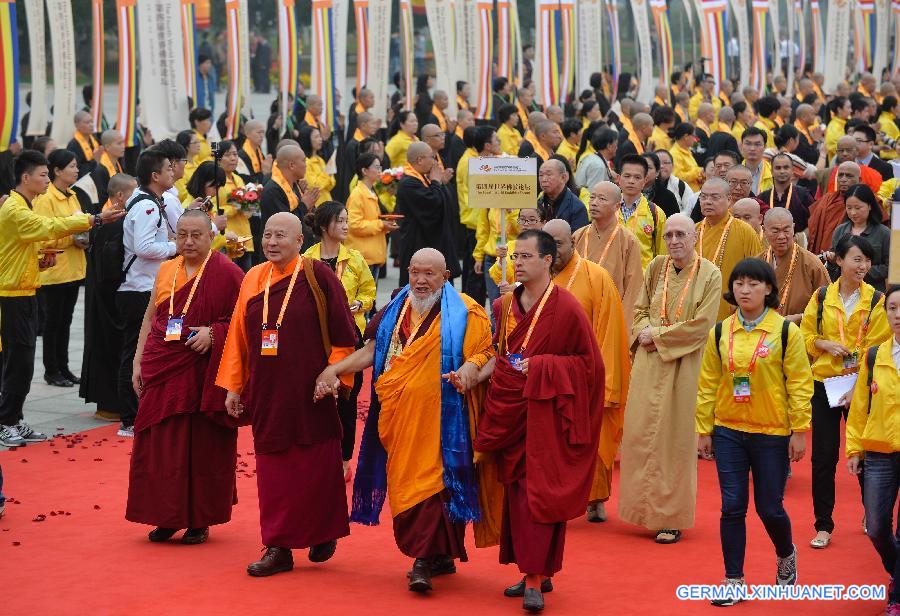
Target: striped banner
483,92
234,100
882,37
377,80
615,49
567,70
126,122
9,74
506,46
323,58
406,52
99,60
361,17
760,17
864,34
340,16
775,23
714,16
663,39
792,56
818,36
549,38
800,35
202,15
288,54
704,35
742,20
189,37
895,9
37,113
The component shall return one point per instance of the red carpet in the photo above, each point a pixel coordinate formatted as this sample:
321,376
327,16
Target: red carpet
85,558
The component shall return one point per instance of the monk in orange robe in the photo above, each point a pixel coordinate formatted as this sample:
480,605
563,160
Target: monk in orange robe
291,319
542,416
185,447
829,211
428,346
594,289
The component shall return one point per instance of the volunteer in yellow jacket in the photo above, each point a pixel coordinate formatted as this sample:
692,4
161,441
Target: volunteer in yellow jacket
238,219
317,175
21,232
529,218
59,284
838,326
330,222
405,128
205,181
368,233
839,108
872,433
753,410
685,166
636,213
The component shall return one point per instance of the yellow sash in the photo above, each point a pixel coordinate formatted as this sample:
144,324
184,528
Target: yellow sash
88,145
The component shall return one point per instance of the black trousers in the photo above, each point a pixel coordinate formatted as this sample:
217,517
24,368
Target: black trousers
472,283
826,445
59,301
18,333
131,306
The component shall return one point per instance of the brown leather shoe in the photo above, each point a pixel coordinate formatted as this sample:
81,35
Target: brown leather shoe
275,560
420,576
107,415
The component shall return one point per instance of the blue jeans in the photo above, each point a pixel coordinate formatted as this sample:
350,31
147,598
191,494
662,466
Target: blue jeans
882,481
766,456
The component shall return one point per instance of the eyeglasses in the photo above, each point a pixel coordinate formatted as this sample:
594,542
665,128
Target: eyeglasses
523,256
529,221
735,182
676,235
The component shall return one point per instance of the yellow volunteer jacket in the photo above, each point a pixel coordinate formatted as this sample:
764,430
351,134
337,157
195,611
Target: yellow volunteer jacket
366,229
888,126
487,231
496,273
825,365
316,177
836,129
181,185
396,148
21,231
737,131
780,392
769,127
467,216
685,167
509,140
70,265
695,101
567,151
356,277
205,152
875,428
238,220
641,224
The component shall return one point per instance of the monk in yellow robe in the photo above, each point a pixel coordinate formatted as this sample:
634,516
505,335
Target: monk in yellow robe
722,238
595,290
427,346
612,245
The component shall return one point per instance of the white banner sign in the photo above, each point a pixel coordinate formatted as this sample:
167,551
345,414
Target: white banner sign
502,182
37,114
440,25
468,35
589,41
379,54
62,39
739,10
645,50
882,37
245,54
837,35
341,13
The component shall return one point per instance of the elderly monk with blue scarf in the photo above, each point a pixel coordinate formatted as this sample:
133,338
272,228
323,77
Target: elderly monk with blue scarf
427,347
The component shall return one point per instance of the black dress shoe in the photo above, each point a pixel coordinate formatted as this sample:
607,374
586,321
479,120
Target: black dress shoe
195,536
322,552
58,380
518,590
67,374
442,565
420,576
275,560
534,600
158,535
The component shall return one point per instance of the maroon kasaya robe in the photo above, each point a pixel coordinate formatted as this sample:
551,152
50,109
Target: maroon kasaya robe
824,217
546,426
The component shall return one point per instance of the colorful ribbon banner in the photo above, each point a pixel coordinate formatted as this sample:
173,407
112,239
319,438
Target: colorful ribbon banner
406,52
645,50
235,64
361,17
506,43
760,15
484,101
98,58
556,27
323,58
567,72
800,34
615,49
882,37
818,36
9,74
663,38
714,14
864,34
202,15
377,79
126,122
189,37
895,9
287,54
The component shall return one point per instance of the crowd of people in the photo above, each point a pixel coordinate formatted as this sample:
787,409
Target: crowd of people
694,273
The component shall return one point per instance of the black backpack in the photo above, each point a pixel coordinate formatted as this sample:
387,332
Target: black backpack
820,308
870,364
785,325
108,250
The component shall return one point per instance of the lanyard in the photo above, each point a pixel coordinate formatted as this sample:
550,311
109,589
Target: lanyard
787,201
287,296
790,275
863,326
534,320
720,252
759,346
684,292
574,273
193,287
414,329
605,248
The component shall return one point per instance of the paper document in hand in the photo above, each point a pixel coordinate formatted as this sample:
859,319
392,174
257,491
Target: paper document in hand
837,386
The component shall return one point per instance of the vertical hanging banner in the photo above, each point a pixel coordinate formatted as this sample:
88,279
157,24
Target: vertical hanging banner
864,33
406,53
739,10
895,10
760,17
468,38
483,93
567,70
645,50
361,18
663,39
37,114
589,52
440,25
9,74
509,49
244,32
287,55
791,57
189,35
714,14
800,35
126,120
818,36
62,40
882,38
615,49
323,58
775,21
704,38
552,42
98,56
164,103
379,54
233,102
339,32
834,54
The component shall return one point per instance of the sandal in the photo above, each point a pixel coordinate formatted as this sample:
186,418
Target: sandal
674,534
821,540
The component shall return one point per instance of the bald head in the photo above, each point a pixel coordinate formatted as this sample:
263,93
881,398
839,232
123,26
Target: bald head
847,149
609,189
847,175
680,238
642,120
427,274
726,115
430,130
565,248
285,142
282,239
535,117
555,114
778,228
417,150
292,163
748,210
429,257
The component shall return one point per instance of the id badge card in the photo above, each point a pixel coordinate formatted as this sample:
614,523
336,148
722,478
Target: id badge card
741,389
269,342
515,360
173,329
851,362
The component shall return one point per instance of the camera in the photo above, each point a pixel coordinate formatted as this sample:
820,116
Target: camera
217,150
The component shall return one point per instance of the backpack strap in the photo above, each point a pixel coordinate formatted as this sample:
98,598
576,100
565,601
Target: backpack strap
505,302
785,330
655,217
870,365
820,308
321,304
718,338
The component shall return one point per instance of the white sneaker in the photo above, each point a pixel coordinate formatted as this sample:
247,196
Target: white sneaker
786,573
732,595
30,434
126,431
10,437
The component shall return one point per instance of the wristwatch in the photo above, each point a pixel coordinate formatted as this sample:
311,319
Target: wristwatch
98,220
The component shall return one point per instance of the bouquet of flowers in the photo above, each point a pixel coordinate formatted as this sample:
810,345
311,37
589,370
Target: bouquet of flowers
390,176
246,197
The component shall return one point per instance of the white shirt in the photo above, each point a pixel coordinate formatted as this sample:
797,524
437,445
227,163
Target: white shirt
591,170
147,241
686,199
895,352
849,304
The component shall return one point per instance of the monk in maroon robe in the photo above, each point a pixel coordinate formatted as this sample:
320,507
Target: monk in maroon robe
291,320
542,416
185,445
829,211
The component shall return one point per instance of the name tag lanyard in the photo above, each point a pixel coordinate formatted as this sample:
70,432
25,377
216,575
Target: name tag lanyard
741,384
174,326
516,358
270,336
851,362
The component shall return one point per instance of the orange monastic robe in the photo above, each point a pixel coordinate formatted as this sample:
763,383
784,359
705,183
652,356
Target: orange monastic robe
622,259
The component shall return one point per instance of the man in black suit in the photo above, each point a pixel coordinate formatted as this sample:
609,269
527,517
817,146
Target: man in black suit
281,192
865,138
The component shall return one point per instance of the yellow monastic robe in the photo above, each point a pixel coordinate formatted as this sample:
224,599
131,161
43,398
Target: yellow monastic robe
742,242
809,274
658,468
622,260
597,294
568,150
